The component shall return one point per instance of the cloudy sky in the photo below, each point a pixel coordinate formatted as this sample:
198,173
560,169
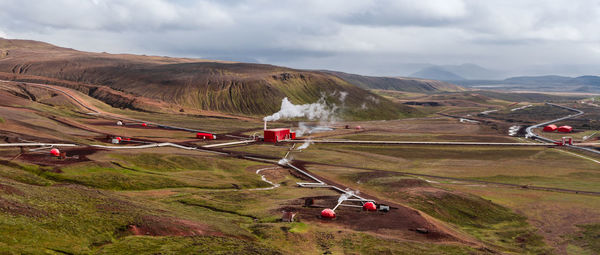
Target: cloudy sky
387,37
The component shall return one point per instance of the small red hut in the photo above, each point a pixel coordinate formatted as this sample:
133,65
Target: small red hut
565,129
278,134
550,128
206,136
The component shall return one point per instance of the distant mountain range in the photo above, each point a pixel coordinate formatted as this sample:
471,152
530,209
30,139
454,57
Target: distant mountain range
587,83
470,75
398,83
457,73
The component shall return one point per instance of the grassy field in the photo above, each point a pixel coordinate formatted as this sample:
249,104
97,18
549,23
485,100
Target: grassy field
42,213
566,221
173,201
490,223
160,169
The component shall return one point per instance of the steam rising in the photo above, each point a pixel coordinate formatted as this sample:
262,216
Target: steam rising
314,111
305,145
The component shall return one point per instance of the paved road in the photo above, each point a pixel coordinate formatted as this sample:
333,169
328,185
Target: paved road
532,135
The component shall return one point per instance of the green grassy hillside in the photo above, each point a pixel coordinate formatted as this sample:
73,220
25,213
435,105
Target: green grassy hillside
398,83
239,88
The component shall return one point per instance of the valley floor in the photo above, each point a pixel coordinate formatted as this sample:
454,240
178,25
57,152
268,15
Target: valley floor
230,199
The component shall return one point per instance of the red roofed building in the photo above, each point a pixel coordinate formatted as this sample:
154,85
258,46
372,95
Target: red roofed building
278,134
565,129
206,136
550,128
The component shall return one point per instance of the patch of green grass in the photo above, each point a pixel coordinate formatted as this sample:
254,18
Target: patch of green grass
489,222
464,210
63,219
360,243
165,163
298,227
1,120
383,136
113,178
24,173
185,245
495,225
588,238
480,153
586,181
156,171
63,111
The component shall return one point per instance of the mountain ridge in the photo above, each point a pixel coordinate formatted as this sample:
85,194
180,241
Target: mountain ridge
397,83
230,87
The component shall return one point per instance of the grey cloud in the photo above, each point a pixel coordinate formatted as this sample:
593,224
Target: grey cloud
383,37
409,13
113,15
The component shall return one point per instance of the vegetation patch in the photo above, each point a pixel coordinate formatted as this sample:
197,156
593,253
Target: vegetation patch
366,244
588,238
479,153
156,171
298,227
496,225
185,245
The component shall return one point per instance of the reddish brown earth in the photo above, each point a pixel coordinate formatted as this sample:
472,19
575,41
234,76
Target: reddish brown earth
16,208
165,226
10,190
400,221
160,84
74,155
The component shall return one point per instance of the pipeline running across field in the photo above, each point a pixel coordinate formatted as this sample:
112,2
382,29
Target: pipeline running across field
534,136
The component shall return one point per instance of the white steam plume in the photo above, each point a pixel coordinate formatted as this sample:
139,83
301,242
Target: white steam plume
314,111
305,145
302,129
343,96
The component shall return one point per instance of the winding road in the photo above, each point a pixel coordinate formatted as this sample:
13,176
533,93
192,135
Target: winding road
318,181
532,135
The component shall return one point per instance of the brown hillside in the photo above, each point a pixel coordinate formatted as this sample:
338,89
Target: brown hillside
250,89
398,83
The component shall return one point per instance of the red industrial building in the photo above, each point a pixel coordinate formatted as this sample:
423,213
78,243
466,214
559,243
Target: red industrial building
206,136
550,128
278,134
565,129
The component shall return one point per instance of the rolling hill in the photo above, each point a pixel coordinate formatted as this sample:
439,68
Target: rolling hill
587,83
457,72
438,73
398,83
230,87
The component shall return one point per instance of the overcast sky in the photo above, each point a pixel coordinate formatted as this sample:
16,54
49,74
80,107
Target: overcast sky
394,37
